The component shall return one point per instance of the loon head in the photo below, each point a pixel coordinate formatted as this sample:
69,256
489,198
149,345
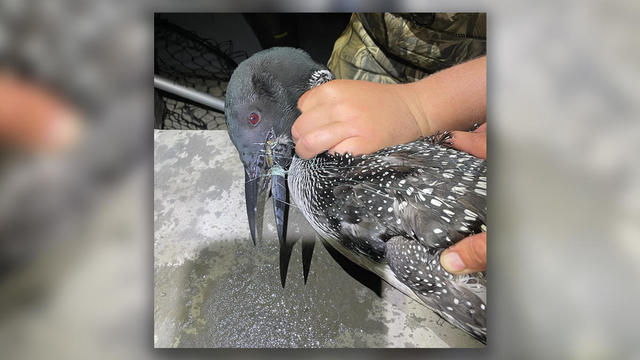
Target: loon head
260,108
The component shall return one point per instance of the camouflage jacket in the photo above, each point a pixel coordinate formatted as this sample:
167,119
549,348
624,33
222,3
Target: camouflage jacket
400,48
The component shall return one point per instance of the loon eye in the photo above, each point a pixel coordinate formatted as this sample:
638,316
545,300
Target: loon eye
254,119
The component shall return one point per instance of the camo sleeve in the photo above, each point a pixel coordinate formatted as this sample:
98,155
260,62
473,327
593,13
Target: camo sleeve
399,48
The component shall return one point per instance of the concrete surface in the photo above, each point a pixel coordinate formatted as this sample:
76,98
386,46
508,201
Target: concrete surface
213,288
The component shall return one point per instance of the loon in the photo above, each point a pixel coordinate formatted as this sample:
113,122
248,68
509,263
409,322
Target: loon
392,212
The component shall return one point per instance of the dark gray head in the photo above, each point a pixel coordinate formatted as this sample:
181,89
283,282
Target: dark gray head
261,107
263,92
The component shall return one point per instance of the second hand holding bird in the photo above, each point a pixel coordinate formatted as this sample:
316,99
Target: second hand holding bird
469,254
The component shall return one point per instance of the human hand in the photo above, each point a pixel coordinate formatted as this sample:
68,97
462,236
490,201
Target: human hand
469,254
474,142
362,117
34,119
355,116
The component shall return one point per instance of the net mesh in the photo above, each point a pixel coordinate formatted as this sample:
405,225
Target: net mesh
191,61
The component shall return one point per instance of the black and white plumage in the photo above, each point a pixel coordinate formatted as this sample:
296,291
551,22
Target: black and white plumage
397,210
392,212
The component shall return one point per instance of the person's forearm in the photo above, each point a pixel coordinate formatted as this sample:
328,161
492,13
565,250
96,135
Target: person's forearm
452,99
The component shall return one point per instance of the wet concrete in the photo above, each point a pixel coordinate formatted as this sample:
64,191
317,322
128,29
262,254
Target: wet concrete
214,288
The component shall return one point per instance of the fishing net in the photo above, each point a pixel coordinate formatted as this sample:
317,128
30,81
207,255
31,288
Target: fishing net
194,62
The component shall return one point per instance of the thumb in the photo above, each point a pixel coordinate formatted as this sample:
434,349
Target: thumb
474,143
467,256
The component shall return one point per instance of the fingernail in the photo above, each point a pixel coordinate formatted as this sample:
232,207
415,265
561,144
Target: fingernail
452,262
452,137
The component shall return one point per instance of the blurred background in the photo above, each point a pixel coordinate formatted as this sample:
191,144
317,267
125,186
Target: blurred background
564,245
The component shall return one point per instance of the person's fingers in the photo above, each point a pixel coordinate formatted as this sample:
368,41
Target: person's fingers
474,143
315,96
308,122
467,256
304,102
321,139
32,118
356,145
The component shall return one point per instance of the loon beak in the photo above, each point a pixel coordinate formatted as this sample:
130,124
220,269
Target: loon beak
255,185
262,170
278,160
280,194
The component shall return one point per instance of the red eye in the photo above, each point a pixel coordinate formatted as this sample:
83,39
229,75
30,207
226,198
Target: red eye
254,119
